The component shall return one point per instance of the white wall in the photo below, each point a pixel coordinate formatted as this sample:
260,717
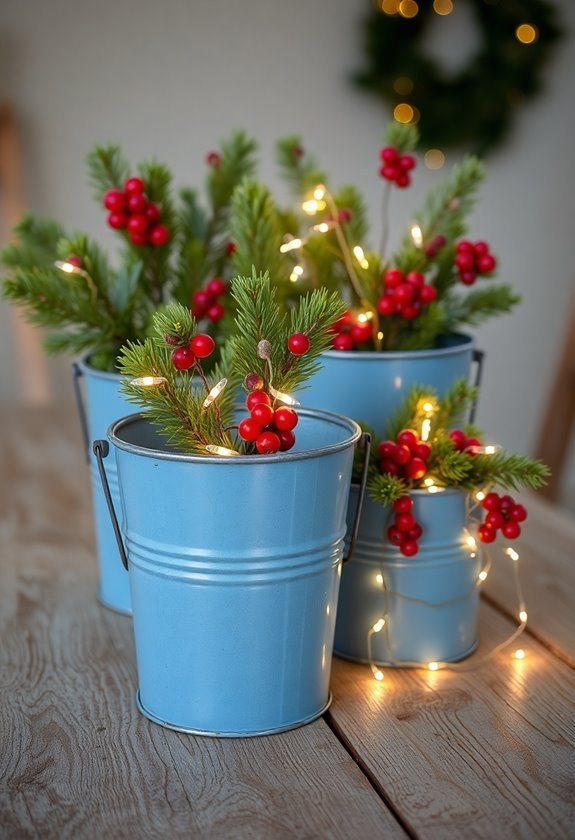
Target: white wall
172,78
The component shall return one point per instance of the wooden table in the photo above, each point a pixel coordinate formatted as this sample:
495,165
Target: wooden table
485,753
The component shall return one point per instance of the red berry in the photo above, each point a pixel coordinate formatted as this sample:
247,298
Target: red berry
468,278
159,235
403,180
202,299
249,430
472,442
343,341
183,358
506,504
262,414
268,443
463,246
230,248
361,332
485,264
401,455
137,203
511,530
115,201
344,321
407,162
298,344
253,382
423,451
486,534
409,548
415,532
495,519
389,466
153,213
404,293
344,215
255,398
427,294
390,172
518,513
415,279
134,185
73,259
389,154
202,345
285,419
491,502
138,238
386,305
137,224
118,221
403,504
216,287
392,278
409,311
213,159
215,312
386,449
405,521
465,261
409,438
287,440
481,248
416,469
394,535
459,439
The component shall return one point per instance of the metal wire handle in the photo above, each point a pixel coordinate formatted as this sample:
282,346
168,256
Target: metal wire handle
478,358
76,376
365,444
101,448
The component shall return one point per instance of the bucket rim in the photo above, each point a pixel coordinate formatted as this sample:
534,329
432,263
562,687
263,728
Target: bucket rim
420,492
84,364
353,428
466,342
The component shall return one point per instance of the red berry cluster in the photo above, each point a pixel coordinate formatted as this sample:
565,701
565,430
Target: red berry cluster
270,429
461,442
130,210
396,167
406,457
472,259
405,295
348,334
405,530
206,303
200,347
503,514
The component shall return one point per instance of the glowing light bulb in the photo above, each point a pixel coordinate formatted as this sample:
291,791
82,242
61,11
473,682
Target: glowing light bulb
296,273
471,541
323,227
417,236
220,450
526,33
408,8
427,406
380,335
519,654
148,381
428,482
215,392
327,610
510,552
291,245
319,192
522,616
285,398
425,429
377,627
378,674
433,666
403,113
379,579
483,575
363,317
360,256
66,266
442,7
480,495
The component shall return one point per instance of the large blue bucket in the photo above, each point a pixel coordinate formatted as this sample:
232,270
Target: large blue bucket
429,601
369,386
99,404
234,568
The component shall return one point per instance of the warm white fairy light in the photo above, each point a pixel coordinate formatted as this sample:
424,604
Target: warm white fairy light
70,268
379,579
319,192
417,236
433,666
510,552
148,381
363,317
522,616
490,449
378,626
480,495
482,575
220,450
313,205
427,406
519,653
425,429
297,272
471,541
378,674
360,256
215,392
380,335
434,488
323,227
285,398
291,245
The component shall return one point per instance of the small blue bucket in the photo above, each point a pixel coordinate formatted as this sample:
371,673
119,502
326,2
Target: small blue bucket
429,601
234,567
99,404
369,386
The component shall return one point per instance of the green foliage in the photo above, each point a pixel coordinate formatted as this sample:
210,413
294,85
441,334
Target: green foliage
403,136
257,234
297,167
478,306
384,488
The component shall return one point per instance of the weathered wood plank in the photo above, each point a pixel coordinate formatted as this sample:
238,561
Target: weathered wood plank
483,753
76,758
547,566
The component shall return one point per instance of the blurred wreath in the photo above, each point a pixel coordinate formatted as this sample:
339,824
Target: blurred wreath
474,107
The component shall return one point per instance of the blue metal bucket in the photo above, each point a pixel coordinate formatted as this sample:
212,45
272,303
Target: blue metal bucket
369,386
429,601
99,404
234,569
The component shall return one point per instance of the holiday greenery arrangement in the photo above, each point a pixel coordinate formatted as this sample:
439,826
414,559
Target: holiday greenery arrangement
404,301
425,449
475,105
271,354
169,250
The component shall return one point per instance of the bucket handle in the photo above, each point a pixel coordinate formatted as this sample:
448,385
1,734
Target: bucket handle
101,449
478,359
365,444
76,376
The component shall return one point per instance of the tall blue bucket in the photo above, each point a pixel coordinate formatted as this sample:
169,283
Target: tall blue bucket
99,404
369,386
429,602
234,568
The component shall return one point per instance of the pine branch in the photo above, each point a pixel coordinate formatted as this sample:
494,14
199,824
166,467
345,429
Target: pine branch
107,168
236,162
454,405
384,489
508,471
406,412
403,137
35,244
257,234
297,167
479,305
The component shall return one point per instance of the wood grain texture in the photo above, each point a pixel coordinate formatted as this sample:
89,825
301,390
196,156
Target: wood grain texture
486,753
547,567
76,758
